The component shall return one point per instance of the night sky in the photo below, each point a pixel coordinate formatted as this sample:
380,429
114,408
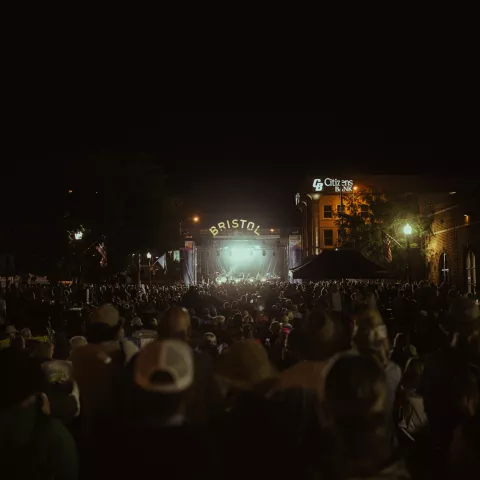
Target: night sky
248,162
225,164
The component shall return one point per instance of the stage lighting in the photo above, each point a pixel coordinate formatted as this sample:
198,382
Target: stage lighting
264,253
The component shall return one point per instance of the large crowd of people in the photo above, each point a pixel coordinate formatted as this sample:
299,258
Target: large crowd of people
328,380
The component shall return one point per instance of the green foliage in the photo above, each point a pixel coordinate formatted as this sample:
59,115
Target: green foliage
361,228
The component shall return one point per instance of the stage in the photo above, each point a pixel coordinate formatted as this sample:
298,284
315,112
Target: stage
237,250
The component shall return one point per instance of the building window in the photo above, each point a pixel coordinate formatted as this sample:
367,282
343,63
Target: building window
471,272
444,269
328,238
327,211
364,211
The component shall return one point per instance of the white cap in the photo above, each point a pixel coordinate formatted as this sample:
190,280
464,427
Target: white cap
170,356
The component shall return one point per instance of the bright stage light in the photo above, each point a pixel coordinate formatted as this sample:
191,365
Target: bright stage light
78,235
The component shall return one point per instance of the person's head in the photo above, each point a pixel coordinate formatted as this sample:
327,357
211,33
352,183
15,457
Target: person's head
355,390
11,331
412,375
247,331
296,345
210,339
275,327
163,374
175,324
355,409
371,337
237,320
322,338
104,324
26,333
78,341
244,366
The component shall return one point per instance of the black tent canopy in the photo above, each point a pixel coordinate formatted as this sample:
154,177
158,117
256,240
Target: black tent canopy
335,264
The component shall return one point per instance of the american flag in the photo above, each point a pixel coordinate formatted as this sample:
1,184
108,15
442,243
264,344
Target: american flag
102,250
387,251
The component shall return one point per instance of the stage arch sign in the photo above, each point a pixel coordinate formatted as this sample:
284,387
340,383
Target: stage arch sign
236,223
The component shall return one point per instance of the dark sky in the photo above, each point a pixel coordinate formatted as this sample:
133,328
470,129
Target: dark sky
252,162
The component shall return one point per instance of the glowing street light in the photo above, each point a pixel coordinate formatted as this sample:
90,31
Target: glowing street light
407,229
78,235
194,219
355,188
149,255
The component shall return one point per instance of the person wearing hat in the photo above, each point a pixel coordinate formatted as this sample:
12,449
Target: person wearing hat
442,369
33,444
154,427
98,366
205,399
11,331
356,410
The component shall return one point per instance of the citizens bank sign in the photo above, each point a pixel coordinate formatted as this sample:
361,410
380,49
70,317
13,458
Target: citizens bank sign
339,185
229,224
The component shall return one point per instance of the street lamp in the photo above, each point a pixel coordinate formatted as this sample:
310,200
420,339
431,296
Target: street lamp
149,256
407,230
78,235
194,219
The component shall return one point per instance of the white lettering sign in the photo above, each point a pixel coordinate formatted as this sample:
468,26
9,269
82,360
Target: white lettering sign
338,185
235,223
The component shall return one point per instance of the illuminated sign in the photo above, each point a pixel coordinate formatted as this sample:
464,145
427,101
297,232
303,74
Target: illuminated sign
235,223
339,185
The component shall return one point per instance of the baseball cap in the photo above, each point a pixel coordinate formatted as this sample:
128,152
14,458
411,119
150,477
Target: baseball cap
168,356
137,322
106,314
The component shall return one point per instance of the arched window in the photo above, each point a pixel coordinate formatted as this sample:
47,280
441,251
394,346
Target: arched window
444,268
471,272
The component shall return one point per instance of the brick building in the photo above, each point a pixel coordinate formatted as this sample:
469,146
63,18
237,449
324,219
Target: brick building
454,244
452,202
